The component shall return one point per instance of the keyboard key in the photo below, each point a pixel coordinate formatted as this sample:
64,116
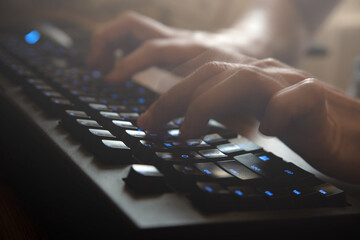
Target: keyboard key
78,127
176,157
89,123
238,170
331,195
101,133
214,139
113,151
77,114
230,148
150,145
213,171
293,175
99,107
211,188
212,153
258,166
211,197
146,179
245,144
188,170
191,144
111,115
246,198
118,127
290,197
129,116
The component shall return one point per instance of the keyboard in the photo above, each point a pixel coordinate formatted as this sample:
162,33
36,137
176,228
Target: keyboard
219,179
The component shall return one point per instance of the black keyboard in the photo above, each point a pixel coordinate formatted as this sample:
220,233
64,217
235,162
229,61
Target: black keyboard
221,172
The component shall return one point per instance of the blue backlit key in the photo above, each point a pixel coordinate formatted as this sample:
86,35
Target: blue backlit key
212,153
230,148
245,144
212,170
257,165
239,170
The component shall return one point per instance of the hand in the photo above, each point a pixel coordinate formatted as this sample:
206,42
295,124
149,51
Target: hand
315,120
152,43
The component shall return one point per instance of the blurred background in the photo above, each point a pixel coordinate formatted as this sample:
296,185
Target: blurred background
330,58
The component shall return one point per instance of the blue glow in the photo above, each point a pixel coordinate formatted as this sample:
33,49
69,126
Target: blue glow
176,143
234,171
269,193
141,100
136,109
185,156
114,96
96,74
141,90
207,171
255,168
209,189
238,192
85,88
264,158
289,172
32,37
296,192
167,144
322,191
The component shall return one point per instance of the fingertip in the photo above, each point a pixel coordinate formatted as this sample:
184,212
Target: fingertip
266,130
114,77
145,120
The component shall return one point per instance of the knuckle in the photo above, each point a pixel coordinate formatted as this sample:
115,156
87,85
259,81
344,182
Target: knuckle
129,15
311,85
248,72
215,66
267,62
314,89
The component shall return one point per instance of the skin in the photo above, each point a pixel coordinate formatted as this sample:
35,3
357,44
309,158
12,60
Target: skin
318,122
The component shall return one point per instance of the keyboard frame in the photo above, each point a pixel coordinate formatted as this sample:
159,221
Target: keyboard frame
111,199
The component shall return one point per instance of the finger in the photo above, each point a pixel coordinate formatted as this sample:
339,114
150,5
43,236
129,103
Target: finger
303,103
211,54
174,102
127,25
153,52
248,89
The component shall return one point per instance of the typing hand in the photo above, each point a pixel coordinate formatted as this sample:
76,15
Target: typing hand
316,121
153,43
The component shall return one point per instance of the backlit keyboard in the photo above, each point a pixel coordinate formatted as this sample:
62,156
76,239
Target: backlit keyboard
219,172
